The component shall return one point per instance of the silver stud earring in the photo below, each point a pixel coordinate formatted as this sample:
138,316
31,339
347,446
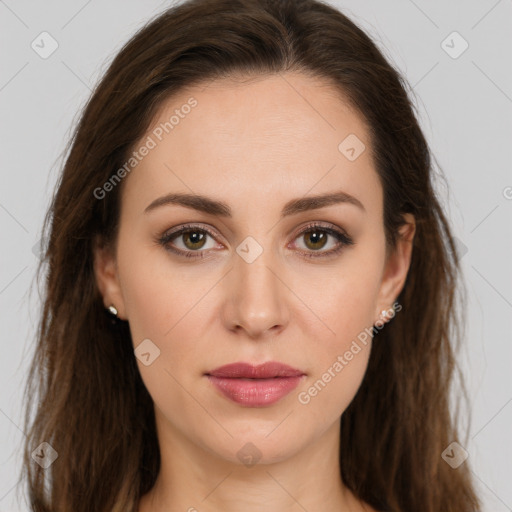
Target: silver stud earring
383,317
112,310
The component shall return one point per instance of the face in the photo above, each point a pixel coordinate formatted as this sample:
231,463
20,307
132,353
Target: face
266,270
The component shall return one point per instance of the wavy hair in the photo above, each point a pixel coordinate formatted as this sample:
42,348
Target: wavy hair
84,394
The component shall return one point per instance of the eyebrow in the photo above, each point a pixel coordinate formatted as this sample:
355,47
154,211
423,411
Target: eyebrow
219,208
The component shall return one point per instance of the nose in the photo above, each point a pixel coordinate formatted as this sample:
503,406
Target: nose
256,298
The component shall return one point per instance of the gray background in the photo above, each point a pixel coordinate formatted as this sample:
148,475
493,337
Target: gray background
465,107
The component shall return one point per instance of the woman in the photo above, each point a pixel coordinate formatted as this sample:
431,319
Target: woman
251,298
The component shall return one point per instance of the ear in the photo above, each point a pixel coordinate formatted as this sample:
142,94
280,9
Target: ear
396,268
107,278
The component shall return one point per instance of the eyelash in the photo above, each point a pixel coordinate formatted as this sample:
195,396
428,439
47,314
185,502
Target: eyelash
343,239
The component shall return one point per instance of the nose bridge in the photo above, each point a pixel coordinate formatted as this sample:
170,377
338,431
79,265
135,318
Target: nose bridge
257,292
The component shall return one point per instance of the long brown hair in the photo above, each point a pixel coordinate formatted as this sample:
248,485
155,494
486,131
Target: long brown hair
84,394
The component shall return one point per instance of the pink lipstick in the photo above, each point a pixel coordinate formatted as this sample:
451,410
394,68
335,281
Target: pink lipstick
255,386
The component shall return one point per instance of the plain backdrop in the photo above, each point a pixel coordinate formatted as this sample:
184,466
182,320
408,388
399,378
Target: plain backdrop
457,57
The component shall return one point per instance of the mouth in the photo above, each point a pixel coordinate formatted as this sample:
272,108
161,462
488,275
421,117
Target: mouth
255,386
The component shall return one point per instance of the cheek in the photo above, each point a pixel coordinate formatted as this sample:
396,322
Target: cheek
329,391
169,307
344,300
156,294
346,308
163,307
341,356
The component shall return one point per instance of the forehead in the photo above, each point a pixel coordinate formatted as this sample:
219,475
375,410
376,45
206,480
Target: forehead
260,139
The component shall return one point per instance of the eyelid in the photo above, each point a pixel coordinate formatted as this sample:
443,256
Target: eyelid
309,226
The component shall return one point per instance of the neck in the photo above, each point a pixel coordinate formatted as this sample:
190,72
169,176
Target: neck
196,480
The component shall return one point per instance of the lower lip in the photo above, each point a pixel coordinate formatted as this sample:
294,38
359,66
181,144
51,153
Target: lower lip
255,392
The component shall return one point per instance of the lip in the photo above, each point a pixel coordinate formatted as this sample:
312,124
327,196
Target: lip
255,386
266,370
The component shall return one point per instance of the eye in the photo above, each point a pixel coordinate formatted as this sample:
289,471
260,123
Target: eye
191,241
316,237
191,238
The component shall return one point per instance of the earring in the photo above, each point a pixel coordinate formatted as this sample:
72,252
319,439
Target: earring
383,317
112,310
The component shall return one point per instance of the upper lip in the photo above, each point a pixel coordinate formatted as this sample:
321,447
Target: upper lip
266,370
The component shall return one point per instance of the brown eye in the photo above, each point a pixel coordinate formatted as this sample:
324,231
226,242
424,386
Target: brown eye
192,242
194,239
189,241
315,239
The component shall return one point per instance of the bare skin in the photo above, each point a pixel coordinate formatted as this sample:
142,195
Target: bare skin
254,145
